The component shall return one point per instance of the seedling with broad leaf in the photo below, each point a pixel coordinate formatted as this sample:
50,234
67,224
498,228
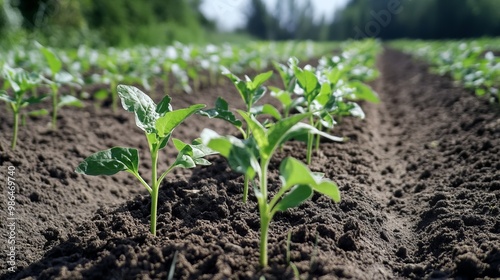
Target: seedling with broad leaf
58,78
251,91
252,157
326,93
21,82
158,122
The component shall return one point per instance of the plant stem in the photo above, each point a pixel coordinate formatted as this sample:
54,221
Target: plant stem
154,204
114,96
16,128
54,106
288,239
319,127
265,216
310,140
245,189
246,180
264,229
155,188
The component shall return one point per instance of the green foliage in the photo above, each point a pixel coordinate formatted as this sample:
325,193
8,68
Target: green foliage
329,92
424,19
252,157
21,82
107,23
472,63
152,22
158,123
58,78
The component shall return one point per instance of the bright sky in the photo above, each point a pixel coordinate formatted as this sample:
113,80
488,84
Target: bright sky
230,14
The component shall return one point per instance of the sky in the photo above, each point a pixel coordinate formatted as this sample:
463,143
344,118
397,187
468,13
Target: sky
230,14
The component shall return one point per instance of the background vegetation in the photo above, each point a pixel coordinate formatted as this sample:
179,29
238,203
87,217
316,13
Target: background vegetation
68,23
116,22
423,19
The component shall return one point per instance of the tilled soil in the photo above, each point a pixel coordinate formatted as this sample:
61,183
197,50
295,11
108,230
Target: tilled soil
419,178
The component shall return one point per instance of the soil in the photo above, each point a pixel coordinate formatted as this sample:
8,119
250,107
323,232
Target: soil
419,178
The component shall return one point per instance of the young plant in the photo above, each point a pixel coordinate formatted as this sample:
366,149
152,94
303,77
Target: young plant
20,82
158,122
289,82
58,78
251,91
252,157
326,95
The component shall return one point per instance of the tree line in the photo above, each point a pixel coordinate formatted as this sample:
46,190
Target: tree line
154,22
385,19
116,22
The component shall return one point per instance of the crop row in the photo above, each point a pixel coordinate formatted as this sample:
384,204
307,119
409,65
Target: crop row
476,64
313,100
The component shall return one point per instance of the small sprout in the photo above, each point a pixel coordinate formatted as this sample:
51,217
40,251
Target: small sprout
58,78
252,157
158,122
251,91
21,82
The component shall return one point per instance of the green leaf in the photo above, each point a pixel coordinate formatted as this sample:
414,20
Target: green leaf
240,154
54,62
301,129
164,106
293,172
244,92
5,97
199,149
168,122
134,100
257,94
20,80
364,92
109,162
307,80
69,100
192,154
38,113
230,75
325,94
32,100
259,80
329,189
258,131
294,198
286,76
101,95
216,142
279,131
266,109
164,141
221,111
283,96
63,78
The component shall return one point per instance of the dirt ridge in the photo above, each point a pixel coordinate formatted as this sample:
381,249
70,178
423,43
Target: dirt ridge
419,179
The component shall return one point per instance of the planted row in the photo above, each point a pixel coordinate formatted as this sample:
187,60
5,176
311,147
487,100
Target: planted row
472,63
317,95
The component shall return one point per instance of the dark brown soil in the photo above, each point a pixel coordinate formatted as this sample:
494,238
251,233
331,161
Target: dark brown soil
420,183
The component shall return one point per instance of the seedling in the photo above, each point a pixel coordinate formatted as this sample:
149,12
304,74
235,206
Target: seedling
323,93
252,157
20,82
58,78
158,122
251,91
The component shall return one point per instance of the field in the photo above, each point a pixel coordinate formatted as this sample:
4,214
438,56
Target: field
419,179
